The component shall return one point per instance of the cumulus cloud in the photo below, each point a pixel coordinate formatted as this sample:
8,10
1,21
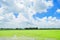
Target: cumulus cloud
50,22
1,17
58,10
1,10
43,5
26,9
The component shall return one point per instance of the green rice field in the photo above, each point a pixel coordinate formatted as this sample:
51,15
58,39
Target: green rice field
36,34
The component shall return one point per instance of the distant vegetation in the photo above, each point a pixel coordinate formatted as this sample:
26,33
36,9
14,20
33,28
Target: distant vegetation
30,28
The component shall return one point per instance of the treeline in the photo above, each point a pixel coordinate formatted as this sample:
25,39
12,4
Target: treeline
30,28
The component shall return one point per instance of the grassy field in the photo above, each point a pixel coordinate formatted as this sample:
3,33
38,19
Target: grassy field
49,34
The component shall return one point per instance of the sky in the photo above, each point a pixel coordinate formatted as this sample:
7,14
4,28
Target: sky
29,13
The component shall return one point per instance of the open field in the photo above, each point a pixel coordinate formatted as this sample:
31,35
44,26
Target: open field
30,34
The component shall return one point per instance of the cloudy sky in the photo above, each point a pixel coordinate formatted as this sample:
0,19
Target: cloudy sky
29,13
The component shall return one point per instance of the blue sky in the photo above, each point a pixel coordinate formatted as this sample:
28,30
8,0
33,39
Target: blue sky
51,12
30,13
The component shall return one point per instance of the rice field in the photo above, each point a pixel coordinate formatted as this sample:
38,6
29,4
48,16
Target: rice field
29,34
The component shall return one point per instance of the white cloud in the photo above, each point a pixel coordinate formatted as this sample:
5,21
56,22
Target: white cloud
38,5
20,18
4,0
49,3
25,18
1,17
58,10
43,5
1,10
19,4
51,23
22,22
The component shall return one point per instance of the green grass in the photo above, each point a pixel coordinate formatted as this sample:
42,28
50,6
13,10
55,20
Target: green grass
32,33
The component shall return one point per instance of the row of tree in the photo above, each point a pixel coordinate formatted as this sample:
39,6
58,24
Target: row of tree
30,28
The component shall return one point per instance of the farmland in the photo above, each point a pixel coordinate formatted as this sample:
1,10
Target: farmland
38,34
